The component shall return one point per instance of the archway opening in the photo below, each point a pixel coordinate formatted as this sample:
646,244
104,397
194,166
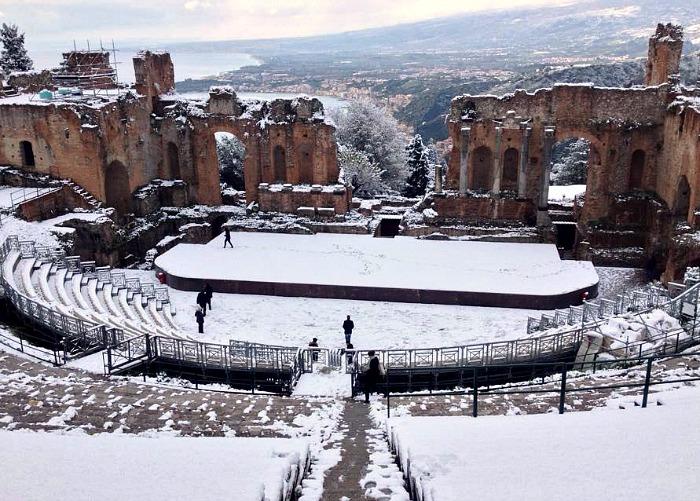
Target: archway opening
637,165
306,165
279,164
569,169
27,154
682,205
117,190
482,167
230,153
173,161
509,180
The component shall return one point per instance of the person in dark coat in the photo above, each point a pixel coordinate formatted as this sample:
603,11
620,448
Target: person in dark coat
348,326
199,315
227,239
314,354
209,292
372,375
202,302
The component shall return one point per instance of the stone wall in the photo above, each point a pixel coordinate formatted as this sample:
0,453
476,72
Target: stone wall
114,146
480,208
289,198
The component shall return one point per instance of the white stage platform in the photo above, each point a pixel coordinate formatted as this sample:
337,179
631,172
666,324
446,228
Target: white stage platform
362,262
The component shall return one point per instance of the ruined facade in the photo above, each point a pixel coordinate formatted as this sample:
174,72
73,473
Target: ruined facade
115,143
642,166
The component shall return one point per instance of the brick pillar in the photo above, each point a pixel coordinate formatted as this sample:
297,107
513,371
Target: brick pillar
543,203
497,163
464,159
524,156
438,178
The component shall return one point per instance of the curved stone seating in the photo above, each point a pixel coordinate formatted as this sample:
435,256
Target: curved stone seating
78,291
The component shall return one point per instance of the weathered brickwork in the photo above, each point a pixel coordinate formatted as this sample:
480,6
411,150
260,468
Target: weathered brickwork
114,146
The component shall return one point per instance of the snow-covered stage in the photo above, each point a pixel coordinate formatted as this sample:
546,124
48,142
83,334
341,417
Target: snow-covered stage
400,269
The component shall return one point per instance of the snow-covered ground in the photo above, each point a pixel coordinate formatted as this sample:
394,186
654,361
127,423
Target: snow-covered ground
566,193
117,467
641,454
294,321
10,195
364,261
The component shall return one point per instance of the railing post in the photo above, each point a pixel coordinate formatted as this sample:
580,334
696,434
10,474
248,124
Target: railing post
562,392
388,401
148,347
475,401
647,380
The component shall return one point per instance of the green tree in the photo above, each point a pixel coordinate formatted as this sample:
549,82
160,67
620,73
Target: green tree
14,56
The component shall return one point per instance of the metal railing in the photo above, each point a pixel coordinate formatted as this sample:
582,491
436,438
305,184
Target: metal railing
495,353
562,381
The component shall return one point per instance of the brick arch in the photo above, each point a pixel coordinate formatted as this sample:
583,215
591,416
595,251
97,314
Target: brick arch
482,168
116,187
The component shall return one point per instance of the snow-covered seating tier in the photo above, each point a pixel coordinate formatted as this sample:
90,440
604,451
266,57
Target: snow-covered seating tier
43,281
84,309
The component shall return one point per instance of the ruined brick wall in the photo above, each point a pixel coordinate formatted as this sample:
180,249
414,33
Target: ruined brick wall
289,199
154,73
665,50
616,122
483,209
31,81
681,160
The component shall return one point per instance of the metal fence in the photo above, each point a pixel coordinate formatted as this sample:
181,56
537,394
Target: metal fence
503,353
559,383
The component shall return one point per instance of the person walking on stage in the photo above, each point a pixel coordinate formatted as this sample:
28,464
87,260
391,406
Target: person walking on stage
372,375
202,302
199,316
208,292
348,326
227,239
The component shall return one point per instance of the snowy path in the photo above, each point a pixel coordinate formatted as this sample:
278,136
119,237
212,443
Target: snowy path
349,479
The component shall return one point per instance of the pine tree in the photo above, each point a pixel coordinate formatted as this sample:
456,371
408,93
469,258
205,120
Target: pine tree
418,166
14,56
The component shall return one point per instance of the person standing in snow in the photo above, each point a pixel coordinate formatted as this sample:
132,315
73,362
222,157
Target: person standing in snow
208,292
199,316
202,302
373,375
227,239
314,353
348,326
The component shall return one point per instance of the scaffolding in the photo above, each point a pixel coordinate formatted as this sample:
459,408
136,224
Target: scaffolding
94,70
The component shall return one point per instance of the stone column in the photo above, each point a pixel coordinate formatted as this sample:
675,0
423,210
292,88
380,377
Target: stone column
543,203
524,158
438,178
497,163
464,159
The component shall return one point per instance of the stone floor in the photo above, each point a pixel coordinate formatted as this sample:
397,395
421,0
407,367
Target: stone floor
38,397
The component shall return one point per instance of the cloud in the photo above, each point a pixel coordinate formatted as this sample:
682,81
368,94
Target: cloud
197,4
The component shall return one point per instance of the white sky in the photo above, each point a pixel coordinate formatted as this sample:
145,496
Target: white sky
59,21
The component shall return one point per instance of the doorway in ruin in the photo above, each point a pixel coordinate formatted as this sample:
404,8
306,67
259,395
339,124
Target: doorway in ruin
637,166
26,152
482,167
569,170
682,205
230,155
388,227
509,179
117,190
173,161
